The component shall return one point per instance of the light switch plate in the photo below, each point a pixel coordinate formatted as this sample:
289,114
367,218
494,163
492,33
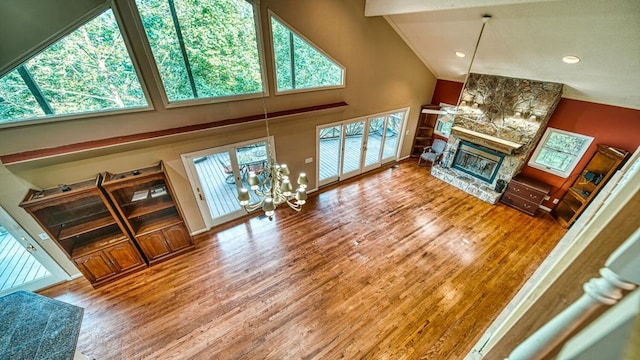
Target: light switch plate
43,236
308,160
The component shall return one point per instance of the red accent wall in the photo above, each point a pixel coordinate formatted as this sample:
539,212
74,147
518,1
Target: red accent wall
610,125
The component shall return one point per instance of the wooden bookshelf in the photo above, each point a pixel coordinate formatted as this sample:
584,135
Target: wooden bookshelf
80,220
594,176
145,200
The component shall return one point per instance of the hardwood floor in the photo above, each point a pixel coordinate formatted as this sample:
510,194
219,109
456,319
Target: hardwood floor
394,265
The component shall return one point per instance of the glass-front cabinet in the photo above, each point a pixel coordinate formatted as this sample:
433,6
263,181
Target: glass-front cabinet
79,218
146,202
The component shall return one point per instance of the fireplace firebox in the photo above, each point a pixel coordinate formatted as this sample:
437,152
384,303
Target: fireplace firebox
477,161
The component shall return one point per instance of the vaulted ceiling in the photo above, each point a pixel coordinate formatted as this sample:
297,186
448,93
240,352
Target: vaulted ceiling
527,39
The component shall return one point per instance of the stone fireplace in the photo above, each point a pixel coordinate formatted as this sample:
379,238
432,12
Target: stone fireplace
498,122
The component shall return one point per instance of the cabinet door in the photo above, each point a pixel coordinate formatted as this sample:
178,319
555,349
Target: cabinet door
154,245
123,256
177,237
95,266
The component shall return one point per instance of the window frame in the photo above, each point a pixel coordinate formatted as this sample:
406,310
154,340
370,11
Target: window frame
438,125
274,78
542,144
157,78
89,16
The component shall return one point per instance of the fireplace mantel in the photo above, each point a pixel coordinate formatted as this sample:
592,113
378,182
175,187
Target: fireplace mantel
488,141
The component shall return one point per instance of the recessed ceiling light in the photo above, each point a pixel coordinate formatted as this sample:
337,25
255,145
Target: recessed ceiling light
460,54
570,59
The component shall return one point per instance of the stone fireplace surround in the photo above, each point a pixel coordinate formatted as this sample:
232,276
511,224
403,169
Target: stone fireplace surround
500,113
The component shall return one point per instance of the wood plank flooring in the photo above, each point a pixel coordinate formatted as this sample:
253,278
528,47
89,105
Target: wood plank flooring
390,265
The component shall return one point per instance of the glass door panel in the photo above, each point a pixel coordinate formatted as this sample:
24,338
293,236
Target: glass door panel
329,146
392,135
217,174
352,145
217,177
252,158
374,142
24,265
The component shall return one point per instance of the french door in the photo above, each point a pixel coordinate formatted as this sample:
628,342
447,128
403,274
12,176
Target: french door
24,265
216,175
351,147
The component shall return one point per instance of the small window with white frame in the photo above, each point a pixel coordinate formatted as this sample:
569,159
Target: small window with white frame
559,151
445,120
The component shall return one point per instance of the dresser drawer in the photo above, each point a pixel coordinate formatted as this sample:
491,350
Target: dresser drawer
519,203
525,192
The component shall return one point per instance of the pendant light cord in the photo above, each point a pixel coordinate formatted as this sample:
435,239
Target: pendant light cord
485,20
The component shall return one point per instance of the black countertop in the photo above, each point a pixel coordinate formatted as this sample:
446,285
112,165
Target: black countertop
36,327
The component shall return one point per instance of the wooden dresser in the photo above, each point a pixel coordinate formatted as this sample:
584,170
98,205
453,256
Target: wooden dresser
525,194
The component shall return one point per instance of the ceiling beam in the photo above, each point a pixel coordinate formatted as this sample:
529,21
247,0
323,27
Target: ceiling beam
386,7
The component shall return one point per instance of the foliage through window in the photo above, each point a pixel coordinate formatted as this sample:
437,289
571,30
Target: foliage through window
203,48
559,151
88,70
445,121
299,65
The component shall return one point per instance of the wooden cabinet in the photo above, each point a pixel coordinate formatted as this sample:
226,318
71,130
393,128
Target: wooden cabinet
109,261
424,130
164,242
146,202
599,169
80,219
525,194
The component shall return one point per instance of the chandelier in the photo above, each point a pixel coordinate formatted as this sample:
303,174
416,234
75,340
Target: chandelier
275,188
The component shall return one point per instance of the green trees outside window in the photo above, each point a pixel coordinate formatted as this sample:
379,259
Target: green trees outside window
203,48
88,70
299,65
559,151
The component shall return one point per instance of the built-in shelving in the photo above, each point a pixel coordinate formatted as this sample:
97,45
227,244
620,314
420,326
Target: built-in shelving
600,168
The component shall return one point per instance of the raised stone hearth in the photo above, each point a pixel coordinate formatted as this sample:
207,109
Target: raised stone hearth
469,184
499,113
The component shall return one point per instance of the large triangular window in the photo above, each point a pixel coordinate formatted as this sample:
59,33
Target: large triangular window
87,71
299,64
204,49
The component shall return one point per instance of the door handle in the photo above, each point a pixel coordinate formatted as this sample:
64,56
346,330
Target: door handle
31,248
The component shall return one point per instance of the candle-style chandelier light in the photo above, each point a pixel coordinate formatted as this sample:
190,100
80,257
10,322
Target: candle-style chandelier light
275,187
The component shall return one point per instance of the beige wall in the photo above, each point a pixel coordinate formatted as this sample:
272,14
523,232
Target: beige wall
27,16
382,75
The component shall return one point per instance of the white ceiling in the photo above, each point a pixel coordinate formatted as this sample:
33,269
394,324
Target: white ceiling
527,39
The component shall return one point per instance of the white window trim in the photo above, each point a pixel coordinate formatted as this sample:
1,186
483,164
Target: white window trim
97,11
157,79
270,14
436,128
564,174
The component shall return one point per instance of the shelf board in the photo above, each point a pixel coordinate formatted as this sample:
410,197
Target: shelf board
576,193
88,226
158,223
101,213
97,244
571,206
145,208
